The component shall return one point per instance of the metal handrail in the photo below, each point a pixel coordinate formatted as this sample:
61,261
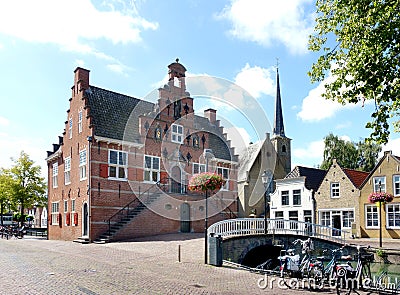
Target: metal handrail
256,226
137,201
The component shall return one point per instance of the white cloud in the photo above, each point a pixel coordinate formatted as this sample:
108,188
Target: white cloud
267,22
118,68
256,80
71,24
316,108
392,145
239,138
314,151
4,122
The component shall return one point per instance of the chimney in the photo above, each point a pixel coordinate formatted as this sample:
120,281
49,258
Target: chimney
211,115
81,80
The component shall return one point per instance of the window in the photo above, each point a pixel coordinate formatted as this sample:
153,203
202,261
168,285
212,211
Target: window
196,141
65,211
67,170
80,122
70,128
224,172
55,175
198,168
117,164
293,216
177,133
393,215
396,185
55,206
296,197
82,165
371,216
347,218
72,211
382,187
326,218
335,190
151,168
279,215
285,198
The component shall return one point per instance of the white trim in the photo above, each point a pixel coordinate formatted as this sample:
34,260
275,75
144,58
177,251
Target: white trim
119,142
55,155
366,216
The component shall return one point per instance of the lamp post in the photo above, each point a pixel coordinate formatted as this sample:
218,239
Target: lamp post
380,216
266,179
208,155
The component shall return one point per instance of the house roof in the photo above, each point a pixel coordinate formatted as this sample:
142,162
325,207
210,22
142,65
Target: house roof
111,111
356,177
247,158
313,176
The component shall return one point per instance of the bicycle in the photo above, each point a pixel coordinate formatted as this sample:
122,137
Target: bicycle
351,279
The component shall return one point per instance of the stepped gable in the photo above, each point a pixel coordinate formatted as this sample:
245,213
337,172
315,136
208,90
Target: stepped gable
313,176
355,176
110,112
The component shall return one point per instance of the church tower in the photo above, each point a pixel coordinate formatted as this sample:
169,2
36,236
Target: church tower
279,140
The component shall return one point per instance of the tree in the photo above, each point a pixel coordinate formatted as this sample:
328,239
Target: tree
360,156
5,192
28,187
359,42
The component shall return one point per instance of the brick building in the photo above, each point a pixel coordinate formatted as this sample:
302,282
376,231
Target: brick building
120,170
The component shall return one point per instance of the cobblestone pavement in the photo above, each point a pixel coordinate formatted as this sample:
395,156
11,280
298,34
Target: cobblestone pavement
143,266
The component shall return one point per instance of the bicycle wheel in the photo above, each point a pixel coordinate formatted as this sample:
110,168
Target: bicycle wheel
315,278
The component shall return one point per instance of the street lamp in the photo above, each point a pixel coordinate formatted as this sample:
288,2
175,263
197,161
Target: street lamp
380,216
208,155
266,178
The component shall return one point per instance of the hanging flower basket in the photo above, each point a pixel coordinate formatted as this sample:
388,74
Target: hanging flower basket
380,198
206,181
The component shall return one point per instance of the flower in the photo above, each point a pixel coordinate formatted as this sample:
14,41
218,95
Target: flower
206,181
381,197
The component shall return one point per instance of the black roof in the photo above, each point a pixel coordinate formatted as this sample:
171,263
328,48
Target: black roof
111,111
313,176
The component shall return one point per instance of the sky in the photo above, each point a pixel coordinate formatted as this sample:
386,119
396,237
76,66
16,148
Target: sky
127,46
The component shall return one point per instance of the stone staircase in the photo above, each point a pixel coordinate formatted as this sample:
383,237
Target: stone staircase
127,216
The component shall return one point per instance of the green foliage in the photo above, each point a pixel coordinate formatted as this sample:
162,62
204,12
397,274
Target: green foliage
5,190
360,156
28,187
359,43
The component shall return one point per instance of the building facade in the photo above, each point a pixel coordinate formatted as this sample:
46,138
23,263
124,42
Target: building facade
337,199
385,177
119,152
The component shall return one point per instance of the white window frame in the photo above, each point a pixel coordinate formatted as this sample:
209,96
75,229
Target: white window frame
299,197
347,218
285,194
177,133
152,171
376,183
54,177
70,123
325,218
55,211
396,185
396,216
83,164
80,114
116,169
224,172
198,168
335,190
67,170
73,208
279,224
371,210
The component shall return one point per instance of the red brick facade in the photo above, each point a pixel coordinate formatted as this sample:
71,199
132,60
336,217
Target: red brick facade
130,145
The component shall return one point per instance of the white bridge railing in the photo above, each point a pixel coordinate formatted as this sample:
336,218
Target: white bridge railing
256,226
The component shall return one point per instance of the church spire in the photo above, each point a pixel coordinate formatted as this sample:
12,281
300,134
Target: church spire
279,129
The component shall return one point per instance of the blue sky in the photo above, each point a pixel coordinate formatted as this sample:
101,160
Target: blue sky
127,46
